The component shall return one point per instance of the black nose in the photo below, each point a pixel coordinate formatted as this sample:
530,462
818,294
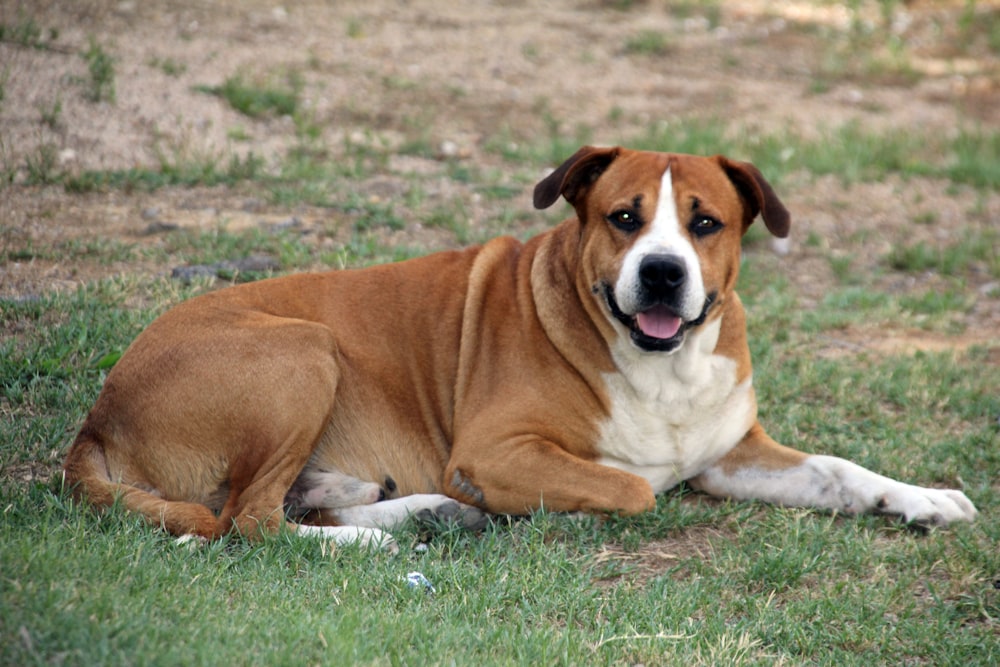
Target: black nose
662,274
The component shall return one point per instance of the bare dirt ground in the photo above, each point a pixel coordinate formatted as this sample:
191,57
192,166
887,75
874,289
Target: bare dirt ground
460,73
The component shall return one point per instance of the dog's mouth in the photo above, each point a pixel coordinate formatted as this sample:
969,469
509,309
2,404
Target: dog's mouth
657,328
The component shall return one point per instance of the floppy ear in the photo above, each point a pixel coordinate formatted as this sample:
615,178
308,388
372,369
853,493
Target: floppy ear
573,176
758,195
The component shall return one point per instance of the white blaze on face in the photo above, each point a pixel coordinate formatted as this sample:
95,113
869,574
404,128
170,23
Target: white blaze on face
663,236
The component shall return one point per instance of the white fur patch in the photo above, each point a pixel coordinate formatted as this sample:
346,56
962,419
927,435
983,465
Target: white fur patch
828,482
390,514
367,537
663,236
673,416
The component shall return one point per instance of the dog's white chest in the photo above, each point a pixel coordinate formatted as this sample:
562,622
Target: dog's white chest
673,416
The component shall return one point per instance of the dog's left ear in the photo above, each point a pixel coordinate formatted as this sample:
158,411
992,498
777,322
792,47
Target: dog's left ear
573,176
758,194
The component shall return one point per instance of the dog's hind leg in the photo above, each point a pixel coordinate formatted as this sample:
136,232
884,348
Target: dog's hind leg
279,442
330,489
86,475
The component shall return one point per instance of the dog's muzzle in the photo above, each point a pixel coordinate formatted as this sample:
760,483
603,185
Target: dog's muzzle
657,326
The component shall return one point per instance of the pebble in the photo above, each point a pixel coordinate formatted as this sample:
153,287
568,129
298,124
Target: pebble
226,269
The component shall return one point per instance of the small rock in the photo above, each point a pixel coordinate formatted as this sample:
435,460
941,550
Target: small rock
160,227
290,223
188,273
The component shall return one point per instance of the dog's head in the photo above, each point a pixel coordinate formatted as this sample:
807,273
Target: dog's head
660,233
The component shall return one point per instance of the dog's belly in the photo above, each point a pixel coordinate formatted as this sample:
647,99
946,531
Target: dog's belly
677,419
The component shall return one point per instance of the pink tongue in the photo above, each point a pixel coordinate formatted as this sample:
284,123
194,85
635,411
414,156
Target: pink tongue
659,322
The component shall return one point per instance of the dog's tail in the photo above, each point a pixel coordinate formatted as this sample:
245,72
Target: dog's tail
86,474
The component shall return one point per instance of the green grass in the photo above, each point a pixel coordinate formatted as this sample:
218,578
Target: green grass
850,151
310,173
26,32
648,43
257,99
976,250
101,66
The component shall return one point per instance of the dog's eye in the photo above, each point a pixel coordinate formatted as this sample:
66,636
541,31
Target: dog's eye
625,220
704,225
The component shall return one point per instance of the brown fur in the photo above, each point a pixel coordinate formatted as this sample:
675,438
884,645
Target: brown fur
477,373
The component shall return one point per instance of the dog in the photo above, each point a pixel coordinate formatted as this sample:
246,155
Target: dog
585,370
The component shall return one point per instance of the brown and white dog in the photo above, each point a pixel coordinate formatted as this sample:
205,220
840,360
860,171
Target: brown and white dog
587,369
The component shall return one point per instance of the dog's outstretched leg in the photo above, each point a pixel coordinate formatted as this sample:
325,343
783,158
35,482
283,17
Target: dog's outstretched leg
761,469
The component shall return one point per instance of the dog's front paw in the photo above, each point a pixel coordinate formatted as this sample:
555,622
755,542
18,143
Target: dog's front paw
928,507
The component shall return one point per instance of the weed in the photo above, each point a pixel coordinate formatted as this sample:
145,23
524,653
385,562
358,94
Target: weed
257,100
974,159
168,66
42,166
842,267
238,133
452,216
700,136
976,251
26,32
355,28
370,213
847,306
936,302
648,43
203,170
51,116
101,65
557,146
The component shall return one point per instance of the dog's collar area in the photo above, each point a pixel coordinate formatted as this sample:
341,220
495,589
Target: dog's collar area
645,341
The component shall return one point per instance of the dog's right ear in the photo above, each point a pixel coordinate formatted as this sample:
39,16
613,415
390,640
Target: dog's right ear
573,176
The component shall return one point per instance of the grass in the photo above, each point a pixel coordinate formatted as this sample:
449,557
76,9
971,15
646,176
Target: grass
101,66
648,43
257,99
850,151
26,32
979,249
